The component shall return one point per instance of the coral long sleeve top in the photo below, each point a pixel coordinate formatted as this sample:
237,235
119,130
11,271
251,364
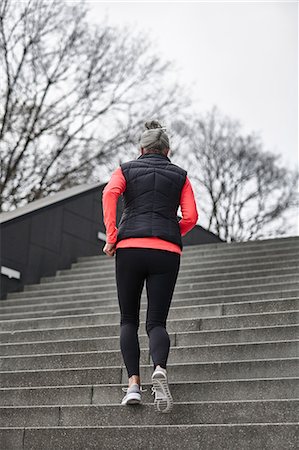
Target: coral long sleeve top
116,186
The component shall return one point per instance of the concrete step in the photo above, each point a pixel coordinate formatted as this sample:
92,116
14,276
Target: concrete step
194,353
55,288
277,436
273,304
221,288
201,274
182,285
23,343
197,371
221,258
81,333
204,269
217,267
189,277
176,310
108,319
217,412
199,296
191,391
111,323
203,249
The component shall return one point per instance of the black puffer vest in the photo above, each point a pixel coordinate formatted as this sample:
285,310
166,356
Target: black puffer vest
151,198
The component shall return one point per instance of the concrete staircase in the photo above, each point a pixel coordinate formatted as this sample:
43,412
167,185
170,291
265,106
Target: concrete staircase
232,367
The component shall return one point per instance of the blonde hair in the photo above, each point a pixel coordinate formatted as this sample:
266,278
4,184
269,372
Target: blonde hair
154,139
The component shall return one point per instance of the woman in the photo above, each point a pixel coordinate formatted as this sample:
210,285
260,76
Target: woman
148,247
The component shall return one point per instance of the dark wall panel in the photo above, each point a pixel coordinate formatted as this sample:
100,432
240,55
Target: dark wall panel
49,239
199,235
74,247
76,225
46,228
14,240
81,206
41,262
97,211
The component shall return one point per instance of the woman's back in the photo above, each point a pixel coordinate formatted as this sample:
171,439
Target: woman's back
117,186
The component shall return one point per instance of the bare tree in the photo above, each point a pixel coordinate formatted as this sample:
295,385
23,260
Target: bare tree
244,193
72,96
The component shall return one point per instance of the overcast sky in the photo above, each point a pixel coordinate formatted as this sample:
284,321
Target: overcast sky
241,56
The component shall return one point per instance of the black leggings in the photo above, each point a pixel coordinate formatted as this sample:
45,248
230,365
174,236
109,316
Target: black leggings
160,270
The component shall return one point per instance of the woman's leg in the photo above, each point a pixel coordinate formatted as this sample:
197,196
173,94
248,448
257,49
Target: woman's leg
163,269
130,275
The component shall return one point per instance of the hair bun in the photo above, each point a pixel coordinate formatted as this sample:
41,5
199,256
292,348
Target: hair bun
153,124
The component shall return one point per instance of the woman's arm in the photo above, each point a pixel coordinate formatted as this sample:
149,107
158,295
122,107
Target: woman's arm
188,208
113,189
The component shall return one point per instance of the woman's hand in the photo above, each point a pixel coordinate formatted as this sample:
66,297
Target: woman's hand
109,249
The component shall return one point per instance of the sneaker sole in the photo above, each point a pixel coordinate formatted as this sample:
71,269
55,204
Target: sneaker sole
132,399
160,382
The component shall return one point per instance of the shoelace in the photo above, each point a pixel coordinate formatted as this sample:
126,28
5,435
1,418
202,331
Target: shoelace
125,389
153,390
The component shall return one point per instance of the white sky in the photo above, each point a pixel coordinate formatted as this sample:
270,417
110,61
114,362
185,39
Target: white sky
241,56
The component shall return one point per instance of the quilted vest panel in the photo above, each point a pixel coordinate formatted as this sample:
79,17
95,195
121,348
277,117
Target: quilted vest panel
151,198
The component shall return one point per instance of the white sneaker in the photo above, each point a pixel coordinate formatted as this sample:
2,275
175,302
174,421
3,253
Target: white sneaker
163,398
133,394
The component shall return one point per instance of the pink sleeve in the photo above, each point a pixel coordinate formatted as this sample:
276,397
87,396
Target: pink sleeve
113,189
188,208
